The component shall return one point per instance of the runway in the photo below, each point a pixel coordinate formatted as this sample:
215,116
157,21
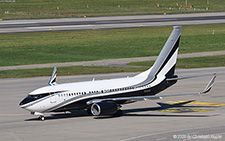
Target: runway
68,24
144,120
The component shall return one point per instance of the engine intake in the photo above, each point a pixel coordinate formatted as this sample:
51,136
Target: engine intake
104,108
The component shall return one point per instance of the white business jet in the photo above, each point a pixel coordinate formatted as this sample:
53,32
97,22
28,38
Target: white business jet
105,97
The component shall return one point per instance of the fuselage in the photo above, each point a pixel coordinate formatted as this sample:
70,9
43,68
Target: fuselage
69,96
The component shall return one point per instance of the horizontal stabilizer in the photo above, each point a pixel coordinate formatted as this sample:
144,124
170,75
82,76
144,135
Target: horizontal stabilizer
52,80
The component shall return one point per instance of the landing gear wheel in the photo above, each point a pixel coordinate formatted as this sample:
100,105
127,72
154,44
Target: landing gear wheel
118,113
42,118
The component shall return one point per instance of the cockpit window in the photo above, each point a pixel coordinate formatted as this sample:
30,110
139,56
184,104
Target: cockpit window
31,98
38,96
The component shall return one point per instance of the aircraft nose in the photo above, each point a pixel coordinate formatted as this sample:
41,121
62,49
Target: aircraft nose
21,103
25,101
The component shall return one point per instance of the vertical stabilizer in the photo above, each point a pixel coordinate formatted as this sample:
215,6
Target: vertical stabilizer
166,61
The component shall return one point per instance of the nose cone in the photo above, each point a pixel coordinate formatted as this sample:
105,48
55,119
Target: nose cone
22,102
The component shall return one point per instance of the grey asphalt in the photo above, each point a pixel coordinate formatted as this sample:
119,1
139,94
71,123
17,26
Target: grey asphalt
140,121
110,62
64,24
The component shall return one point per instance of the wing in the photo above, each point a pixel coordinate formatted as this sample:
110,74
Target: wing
137,98
187,77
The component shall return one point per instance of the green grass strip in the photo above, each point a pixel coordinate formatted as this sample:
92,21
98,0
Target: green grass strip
197,62
72,46
104,7
62,71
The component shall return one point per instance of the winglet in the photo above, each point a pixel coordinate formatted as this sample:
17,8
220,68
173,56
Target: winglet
52,80
210,84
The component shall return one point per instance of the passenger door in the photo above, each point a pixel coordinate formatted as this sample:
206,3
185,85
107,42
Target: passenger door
53,98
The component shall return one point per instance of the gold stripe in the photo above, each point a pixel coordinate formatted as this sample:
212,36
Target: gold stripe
198,103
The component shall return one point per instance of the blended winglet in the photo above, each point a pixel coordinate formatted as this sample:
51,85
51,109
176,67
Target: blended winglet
210,84
52,80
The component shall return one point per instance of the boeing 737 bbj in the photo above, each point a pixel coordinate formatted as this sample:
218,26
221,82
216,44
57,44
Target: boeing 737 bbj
105,97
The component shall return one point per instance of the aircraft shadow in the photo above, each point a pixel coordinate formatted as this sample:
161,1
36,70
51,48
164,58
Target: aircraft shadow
164,106
131,112
71,114
134,112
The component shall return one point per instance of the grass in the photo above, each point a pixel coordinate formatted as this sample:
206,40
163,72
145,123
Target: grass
71,46
197,62
65,71
104,7
187,63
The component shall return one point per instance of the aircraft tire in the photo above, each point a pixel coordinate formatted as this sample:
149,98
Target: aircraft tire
41,118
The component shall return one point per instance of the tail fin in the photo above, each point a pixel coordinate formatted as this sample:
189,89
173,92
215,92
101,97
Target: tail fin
166,61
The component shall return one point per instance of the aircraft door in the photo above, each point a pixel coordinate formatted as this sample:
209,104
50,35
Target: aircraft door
53,98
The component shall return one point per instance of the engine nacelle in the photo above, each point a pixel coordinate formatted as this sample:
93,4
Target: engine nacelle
104,108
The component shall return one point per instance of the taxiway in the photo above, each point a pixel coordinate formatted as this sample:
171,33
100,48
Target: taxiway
140,121
90,23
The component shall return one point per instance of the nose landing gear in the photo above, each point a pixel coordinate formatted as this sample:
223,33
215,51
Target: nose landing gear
41,115
42,118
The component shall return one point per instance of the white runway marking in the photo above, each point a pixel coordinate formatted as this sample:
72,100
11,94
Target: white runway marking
16,22
52,27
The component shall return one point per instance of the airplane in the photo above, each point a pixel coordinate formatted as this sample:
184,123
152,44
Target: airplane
105,97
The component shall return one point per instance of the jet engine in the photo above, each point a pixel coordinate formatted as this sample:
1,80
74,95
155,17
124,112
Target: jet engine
104,108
